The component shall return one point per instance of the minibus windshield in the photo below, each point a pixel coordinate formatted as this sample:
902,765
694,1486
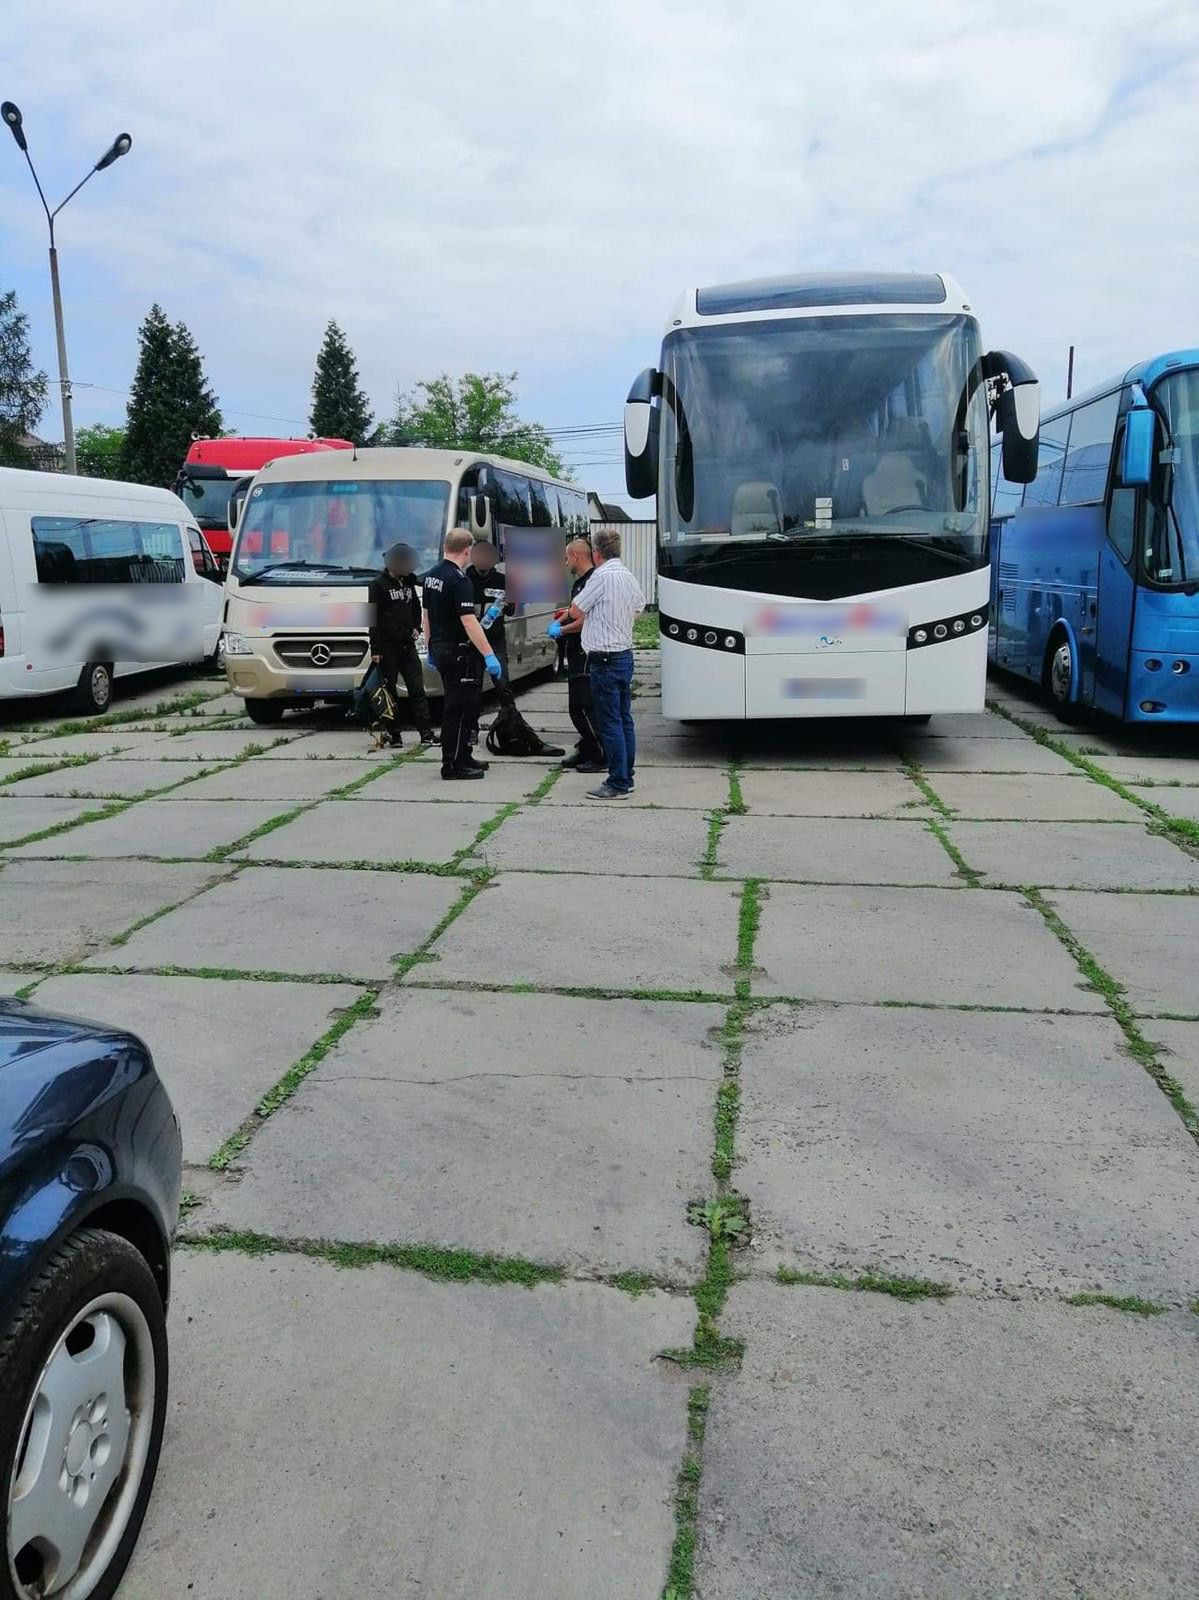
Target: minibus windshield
335,531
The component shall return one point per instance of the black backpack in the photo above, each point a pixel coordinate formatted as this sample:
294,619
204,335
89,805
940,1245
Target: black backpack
511,735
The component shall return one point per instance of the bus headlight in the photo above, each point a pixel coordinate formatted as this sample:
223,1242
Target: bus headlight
235,645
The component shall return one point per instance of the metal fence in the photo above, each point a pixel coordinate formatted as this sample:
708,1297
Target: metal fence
639,552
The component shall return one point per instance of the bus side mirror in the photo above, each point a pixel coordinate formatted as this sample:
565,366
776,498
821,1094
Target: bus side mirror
480,516
1136,458
641,435
236,500
1017,412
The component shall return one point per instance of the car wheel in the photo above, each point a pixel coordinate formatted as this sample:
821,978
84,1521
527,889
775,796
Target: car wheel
1059,670
267,713
83,1371
94,693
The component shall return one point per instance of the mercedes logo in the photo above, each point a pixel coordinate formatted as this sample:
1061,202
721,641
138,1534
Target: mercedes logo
320,655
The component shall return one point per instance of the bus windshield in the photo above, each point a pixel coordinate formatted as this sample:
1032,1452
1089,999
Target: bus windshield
823,437
1171,554
208,499
336,531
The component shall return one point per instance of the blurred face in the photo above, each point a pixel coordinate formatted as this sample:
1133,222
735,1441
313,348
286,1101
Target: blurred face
400,566
483,557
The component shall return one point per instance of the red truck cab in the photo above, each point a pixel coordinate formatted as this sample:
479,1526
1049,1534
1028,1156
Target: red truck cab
214,468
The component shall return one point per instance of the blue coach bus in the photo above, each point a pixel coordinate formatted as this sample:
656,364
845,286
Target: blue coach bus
1095,564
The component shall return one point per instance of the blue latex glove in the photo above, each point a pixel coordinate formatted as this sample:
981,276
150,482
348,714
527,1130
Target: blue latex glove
554,630
491,614
492,663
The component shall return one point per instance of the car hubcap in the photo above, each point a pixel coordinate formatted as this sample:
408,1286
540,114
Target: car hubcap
100,686
1060,672
83,1451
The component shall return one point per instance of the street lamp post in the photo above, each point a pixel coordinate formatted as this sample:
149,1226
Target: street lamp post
119,147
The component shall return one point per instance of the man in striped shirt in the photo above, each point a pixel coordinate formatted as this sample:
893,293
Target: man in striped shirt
607,606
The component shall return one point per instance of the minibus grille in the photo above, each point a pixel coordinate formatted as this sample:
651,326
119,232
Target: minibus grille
322,654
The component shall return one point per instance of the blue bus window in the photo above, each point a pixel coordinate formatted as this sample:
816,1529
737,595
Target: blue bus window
1006,497
1043,491
1084,480
1122,521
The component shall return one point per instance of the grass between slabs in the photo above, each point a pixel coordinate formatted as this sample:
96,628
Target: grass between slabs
1113,994
432,1261
1118,1302
724,1216
291,1080
646,632
1183,831
900,1288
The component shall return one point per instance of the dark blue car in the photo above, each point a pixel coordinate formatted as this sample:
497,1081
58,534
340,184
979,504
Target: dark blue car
90,1165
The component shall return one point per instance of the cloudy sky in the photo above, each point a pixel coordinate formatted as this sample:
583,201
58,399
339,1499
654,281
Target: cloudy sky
527,184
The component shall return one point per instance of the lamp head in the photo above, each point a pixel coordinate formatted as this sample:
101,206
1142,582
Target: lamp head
11,114
119,147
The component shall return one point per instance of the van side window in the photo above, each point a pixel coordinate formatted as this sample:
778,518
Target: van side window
1084,481
105,550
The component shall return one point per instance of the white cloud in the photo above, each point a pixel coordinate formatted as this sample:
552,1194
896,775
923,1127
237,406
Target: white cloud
529,185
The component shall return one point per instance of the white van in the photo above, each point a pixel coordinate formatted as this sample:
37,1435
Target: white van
99,580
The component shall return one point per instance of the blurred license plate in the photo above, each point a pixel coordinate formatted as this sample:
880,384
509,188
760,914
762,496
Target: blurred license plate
824,688
836,624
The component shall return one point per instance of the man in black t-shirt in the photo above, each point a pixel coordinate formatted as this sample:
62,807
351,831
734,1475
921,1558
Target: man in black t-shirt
588,753
395,623
460,650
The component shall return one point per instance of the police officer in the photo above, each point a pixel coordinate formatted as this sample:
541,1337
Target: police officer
588,754
460,649
395,623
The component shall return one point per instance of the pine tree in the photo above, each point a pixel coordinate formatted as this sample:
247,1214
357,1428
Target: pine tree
170,401
340,409
22,388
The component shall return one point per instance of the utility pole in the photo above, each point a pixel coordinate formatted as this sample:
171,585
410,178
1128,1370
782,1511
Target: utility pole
1070,374
119,147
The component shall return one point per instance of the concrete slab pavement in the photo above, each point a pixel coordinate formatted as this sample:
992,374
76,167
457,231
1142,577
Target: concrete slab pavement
831,794
1179,1052
950,754
1028,1154
62,910
406,1132
33,813
308,922
568,930
931,946
360,1433
1033,797
833,850
391,830
952,1450
1147,943
1080,855
168,828
104,778
219,1045
631,840
671,788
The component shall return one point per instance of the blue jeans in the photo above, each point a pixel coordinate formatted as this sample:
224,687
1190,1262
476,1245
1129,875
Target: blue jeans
611,692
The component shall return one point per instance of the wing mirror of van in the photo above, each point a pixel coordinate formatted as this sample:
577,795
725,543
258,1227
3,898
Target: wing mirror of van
1136,457
480,516
236,500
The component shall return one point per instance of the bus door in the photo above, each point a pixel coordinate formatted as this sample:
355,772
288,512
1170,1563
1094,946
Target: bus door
1116,601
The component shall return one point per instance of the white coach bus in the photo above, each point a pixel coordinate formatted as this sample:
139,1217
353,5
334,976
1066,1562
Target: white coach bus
819,450
312,531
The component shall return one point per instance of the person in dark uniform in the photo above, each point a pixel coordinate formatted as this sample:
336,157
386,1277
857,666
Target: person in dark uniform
460,651
492,606
395,623
588,754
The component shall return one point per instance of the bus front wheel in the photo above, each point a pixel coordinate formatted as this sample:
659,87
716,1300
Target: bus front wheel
1059,673
267,713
